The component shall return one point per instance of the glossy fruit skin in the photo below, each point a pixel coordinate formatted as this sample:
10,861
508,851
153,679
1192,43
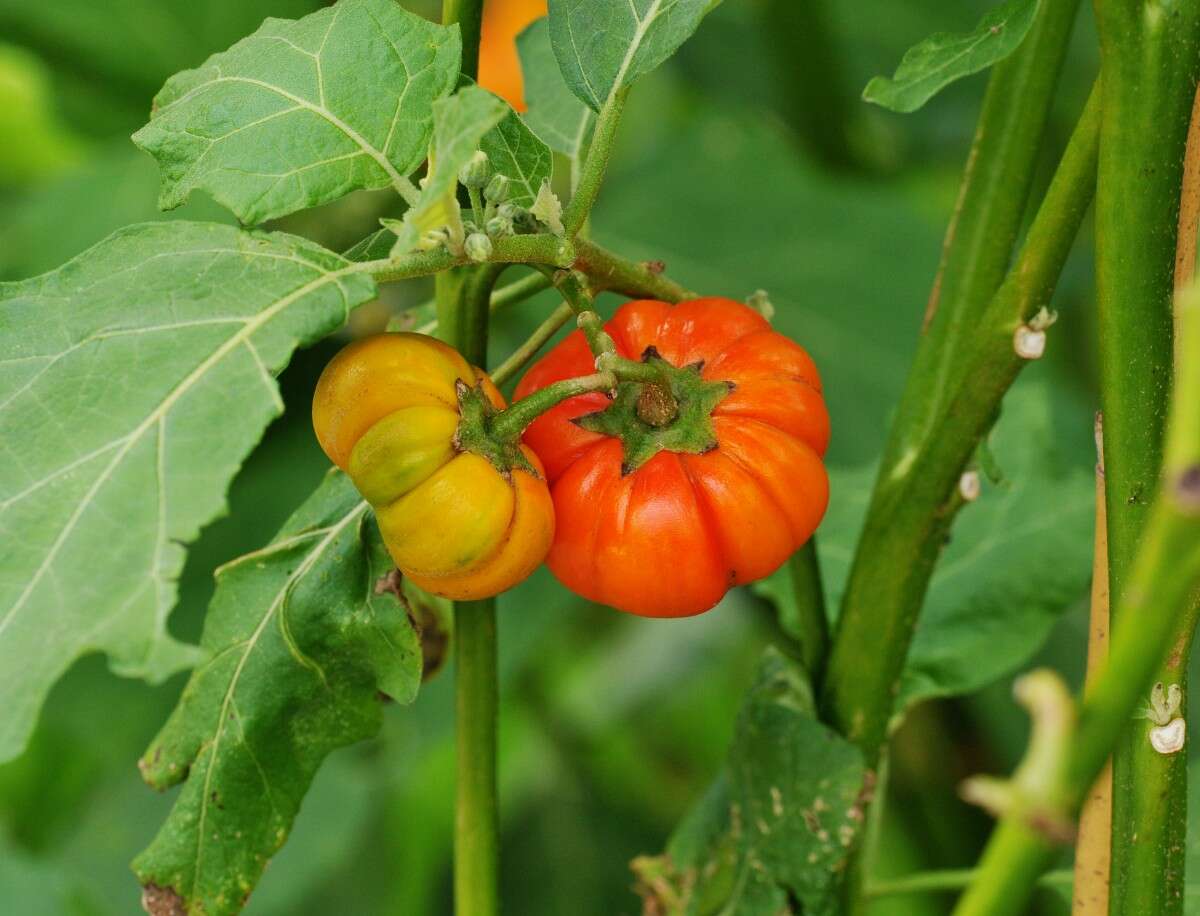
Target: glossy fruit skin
386,410
499,65
669,538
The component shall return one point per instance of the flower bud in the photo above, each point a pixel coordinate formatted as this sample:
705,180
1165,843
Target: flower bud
498,226
476,173
478,247
497,189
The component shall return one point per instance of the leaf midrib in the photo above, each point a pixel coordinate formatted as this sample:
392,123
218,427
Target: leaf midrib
243,334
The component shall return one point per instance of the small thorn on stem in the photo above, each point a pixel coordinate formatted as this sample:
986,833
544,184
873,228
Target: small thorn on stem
969,486
654,267
1029,340
1028,343
1170,738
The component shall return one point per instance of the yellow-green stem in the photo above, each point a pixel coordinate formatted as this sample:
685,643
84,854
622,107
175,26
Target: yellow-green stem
1150,54
463,297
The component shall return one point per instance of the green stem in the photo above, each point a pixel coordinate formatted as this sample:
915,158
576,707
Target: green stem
468,15
604,269
514,249
1149,54
1159,590
903,531
463,298
607,271
580,302
509,294
476,822
591,174
948,880
811,626
529,349
915,499
508,425
477,211
407,266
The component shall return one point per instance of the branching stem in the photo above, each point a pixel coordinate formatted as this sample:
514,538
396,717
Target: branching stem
915,500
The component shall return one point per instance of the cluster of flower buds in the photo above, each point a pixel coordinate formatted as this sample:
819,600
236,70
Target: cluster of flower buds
500,217
494,216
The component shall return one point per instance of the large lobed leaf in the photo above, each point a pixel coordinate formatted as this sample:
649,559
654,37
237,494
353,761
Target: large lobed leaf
940,59
299,642
304,111
604,45
133,382
779,825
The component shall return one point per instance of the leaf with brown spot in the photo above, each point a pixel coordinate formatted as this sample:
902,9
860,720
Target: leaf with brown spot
299,643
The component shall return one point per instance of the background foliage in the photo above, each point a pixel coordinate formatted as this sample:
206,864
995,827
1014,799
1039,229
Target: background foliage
735,172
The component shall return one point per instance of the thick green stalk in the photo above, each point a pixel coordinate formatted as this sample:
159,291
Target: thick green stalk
476,819
504,296
1149,54
463,298
468,14
1159,595
513,249
908,515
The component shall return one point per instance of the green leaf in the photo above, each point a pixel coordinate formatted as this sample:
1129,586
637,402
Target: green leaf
136,378
375,246
459,124
304,111
942,58
603,46
552,111
520,156
779,825
1018,557
299,640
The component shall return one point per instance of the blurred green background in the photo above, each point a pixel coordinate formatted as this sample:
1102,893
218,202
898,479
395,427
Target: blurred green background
747,162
